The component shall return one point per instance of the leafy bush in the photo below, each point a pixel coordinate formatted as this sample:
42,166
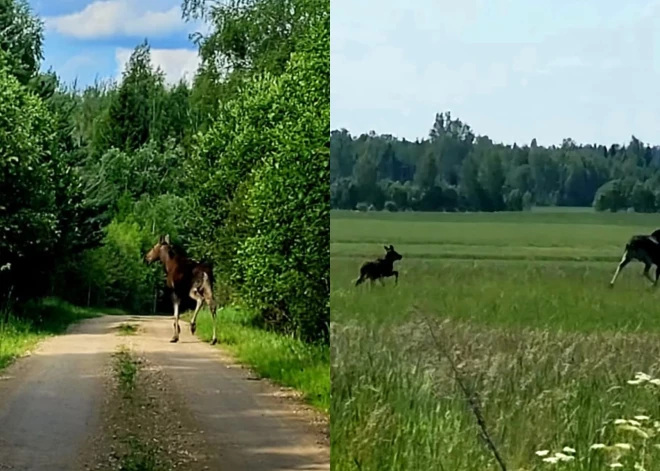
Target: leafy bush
263,208
391,206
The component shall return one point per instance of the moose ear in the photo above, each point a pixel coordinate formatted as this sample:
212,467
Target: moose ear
391,247
167,239
386,247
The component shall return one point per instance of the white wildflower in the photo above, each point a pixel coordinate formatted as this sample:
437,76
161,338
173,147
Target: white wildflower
642,376
623,446
639,467
635,423
642,417
616,465
551,459
620,421
563,457
655,381
542,452
568,449
597,446
637,430
635,382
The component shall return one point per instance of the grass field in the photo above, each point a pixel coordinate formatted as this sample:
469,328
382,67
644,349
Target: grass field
520,304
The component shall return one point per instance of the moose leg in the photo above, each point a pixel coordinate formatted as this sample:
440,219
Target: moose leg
396,277
624,261
176,301
208,297
199,300
657,275
647,268
360,280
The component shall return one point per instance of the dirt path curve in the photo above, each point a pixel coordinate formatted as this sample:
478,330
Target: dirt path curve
245,424
50,402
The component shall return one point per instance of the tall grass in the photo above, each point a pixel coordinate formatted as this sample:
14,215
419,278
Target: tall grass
285,360
396,405
43,318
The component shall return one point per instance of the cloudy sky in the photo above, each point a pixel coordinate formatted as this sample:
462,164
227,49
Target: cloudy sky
512,69
86,39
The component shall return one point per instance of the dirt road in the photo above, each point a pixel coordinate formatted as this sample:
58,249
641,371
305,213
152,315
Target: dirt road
51,403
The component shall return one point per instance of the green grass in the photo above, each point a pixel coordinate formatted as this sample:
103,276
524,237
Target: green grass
42,319
126,368
285,360
521,303
126,329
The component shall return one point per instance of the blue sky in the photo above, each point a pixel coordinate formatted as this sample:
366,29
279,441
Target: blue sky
86,39
511,69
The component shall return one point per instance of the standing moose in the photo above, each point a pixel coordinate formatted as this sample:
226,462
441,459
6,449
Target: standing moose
380,268
185,277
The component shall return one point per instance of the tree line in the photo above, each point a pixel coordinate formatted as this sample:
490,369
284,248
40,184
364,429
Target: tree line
234,166
455,169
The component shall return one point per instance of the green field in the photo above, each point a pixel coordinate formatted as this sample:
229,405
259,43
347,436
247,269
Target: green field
520,303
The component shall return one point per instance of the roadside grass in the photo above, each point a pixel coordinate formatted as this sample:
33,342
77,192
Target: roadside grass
139,453
285,360
42,319
127,329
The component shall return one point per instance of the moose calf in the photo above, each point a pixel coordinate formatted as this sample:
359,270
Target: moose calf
380,268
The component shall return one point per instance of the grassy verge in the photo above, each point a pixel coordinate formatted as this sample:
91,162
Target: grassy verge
46,317
284,360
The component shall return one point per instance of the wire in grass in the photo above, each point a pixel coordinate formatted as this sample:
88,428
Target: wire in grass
470,396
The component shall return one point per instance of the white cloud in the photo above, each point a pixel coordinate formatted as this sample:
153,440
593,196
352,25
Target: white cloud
105,18
176,63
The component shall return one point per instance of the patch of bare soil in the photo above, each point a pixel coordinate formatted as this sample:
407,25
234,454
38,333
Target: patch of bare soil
145,424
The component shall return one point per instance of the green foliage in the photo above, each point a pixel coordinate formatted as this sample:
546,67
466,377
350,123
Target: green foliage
269,189
28,188
21,39
485,176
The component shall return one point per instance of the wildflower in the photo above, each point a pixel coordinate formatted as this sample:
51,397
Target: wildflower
597,446
642,376
563,457
635,423
642,417
620,421
639,467
542,452
551,459
568,449
623,446
635,382
616,465
655,381
637,430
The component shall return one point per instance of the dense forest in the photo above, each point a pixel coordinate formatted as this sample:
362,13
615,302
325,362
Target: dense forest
456,170
234,166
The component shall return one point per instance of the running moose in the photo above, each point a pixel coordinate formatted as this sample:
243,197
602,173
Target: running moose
380,268
646,249
185,277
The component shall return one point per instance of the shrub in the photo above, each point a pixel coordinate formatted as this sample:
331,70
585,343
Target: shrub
391,206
